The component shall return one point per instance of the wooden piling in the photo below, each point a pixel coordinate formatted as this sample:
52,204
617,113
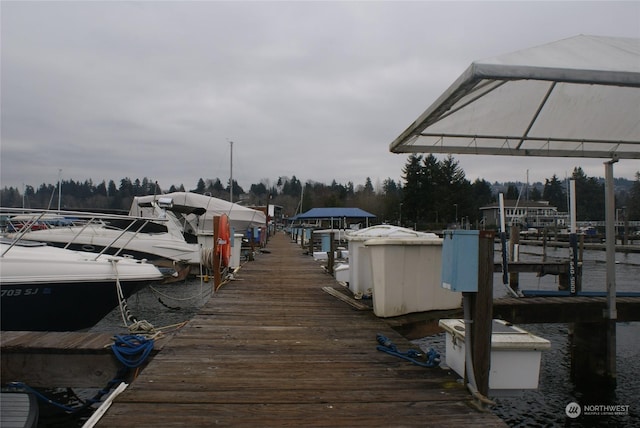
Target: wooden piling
514,241
589,359
331,254
482,313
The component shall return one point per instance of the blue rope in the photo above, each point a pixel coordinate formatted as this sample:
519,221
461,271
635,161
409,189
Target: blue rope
132,350
24,387
386,345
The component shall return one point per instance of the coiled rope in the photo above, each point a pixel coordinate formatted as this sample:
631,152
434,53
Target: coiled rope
132,350
206,258
386,345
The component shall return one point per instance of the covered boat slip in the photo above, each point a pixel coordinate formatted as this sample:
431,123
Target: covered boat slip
578,97
273,349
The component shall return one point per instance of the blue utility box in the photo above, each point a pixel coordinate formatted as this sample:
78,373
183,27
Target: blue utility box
460,255
326,242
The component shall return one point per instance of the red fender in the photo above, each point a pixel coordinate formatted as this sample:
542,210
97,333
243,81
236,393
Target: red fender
223,246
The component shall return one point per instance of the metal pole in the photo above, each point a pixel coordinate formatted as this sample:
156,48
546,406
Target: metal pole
610,240
503,240
573,239
231,174
612,314
59,189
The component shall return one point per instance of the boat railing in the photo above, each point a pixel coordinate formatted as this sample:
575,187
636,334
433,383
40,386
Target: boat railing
27,219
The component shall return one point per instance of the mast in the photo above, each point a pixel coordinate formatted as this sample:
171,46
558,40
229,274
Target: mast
59,188
231,174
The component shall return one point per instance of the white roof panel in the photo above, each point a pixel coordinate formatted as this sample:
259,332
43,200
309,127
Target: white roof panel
578,97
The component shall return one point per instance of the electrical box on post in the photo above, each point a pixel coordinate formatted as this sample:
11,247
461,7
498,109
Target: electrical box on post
460,255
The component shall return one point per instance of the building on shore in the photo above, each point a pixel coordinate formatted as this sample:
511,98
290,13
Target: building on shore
526,214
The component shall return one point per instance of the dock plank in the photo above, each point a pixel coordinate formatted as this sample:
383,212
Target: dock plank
272,349
564,309
60,359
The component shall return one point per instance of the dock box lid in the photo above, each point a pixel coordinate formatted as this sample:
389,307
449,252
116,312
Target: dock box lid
387,231
504,335
403,241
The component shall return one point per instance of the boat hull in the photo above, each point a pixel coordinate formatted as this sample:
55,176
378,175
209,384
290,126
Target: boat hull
177,271
50,289
60,306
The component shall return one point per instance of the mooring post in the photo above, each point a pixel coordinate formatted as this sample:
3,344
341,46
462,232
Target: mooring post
331,253
612,314
594,344
311,238
514,242
482,312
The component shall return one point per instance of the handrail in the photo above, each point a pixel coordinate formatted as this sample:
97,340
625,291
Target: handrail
39,214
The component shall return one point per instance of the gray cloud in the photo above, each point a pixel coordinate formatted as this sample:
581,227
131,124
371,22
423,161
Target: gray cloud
106,90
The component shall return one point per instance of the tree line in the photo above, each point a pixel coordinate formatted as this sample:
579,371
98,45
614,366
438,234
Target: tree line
432,194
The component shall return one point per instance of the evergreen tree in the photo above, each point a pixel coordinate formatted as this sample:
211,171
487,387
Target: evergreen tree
590,200
454,191
535,194
201,187
101,190
555,194
412,189
391,196
258,189
512,192
112,190
633,202
481,195
368,187
217,186
432,180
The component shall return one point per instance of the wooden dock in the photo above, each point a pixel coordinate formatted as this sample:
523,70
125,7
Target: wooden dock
565,309
272,349
60,359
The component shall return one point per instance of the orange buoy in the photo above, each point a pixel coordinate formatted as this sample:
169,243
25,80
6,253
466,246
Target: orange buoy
223,246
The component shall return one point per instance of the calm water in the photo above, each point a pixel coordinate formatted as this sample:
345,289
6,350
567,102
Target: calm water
545,407
164,306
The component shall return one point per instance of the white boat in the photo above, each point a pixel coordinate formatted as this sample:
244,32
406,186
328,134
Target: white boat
18,408
44,288
196,213
158,239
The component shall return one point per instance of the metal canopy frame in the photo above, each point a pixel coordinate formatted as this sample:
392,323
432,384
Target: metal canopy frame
578,97
547,101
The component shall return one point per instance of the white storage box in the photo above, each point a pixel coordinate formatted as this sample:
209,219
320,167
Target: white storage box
406,276
515,354
342,273
360,279
236,250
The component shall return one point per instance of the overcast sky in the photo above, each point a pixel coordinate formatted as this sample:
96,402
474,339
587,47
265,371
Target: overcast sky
106,90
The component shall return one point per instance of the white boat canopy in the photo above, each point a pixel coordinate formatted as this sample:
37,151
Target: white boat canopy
578,97
194,206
